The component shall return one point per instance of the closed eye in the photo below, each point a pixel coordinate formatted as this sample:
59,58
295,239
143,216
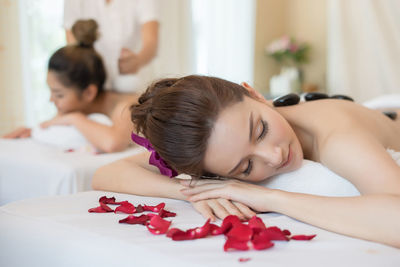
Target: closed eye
264,130
247,171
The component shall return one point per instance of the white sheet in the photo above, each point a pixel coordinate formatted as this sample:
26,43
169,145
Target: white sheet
30,169
59,231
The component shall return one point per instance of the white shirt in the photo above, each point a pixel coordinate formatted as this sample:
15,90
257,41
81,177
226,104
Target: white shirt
120,24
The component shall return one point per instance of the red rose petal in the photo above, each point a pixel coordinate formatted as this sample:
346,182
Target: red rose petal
240,232
139,209
101,209
202,231
244,259
179,235
233,244
303,237
108,200
215,229
131,219
125,207
158,225
154,208
227,224
165,213
261,242
286,232
256,223
274,233
172,231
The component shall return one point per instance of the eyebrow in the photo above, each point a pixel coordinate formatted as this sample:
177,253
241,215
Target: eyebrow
250,136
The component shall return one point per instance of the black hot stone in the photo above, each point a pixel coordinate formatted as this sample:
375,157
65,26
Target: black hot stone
315,96
286,100
390,114
344,97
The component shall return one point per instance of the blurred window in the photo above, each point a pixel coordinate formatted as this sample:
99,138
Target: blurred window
41,34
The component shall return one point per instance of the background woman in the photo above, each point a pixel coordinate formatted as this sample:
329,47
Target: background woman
76,76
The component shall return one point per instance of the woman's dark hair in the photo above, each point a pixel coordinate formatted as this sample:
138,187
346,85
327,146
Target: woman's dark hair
79,65
178,115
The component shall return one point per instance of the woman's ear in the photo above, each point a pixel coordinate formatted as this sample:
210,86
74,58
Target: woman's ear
90,93
255,94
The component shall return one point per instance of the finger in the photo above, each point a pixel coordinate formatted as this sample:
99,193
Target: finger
198,182
218,209
246,211
25,134
214,193
231,208
199,189
205,211
45,124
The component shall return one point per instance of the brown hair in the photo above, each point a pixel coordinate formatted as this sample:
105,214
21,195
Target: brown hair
177,116
79,65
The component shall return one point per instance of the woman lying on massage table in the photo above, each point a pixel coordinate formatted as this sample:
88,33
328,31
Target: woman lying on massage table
208,127
76,77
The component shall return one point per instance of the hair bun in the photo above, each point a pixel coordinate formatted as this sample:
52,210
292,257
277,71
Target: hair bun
85,32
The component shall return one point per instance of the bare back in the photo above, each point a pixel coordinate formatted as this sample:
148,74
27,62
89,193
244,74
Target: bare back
349,139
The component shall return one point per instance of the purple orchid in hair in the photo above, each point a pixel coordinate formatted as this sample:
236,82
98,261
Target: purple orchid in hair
155,158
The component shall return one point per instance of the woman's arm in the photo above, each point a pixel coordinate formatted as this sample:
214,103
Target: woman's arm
134,175
373,216
21,132
130,62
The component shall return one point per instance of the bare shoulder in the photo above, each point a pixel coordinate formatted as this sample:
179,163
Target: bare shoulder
351,140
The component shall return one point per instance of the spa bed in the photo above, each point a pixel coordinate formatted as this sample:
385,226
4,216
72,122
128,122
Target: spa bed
59,231
31,169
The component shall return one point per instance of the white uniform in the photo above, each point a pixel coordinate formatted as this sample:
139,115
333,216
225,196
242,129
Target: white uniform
120,24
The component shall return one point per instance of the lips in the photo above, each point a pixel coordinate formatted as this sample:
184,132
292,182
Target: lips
288,159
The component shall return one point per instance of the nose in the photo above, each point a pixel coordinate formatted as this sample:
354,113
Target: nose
271,155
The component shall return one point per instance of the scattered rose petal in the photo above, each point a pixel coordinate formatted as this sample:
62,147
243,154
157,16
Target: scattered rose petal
226,225
158,225
303,237
244,259
165,213
131,219
154,208
172,231
139,209
193,233
233,244
215,229
274,233
286,232
101,209
125,207
109,200
261,242
240,232
256,223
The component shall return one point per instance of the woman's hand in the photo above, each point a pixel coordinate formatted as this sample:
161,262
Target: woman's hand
63,119
251,195
21,132
220,208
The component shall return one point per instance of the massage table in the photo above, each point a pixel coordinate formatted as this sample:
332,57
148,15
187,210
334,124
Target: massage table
31,169
59,231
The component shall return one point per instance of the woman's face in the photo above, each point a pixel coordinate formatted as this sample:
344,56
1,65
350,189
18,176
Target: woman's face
251,141
66,99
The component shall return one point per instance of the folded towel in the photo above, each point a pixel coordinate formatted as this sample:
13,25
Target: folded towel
67,137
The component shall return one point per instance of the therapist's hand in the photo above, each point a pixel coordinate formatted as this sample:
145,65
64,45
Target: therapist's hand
128,62
21,132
